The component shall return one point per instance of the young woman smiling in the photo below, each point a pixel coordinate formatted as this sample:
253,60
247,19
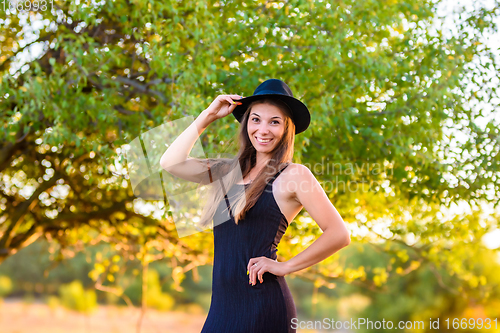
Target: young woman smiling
249,291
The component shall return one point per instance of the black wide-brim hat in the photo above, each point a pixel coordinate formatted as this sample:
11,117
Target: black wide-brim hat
277,89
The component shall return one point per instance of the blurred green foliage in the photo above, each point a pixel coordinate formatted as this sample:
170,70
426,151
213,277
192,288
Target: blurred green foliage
419,295
5,285
155,298
74,297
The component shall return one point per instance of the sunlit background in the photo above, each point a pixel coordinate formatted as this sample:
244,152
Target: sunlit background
405,263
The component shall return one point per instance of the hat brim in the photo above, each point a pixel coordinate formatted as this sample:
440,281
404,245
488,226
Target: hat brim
300,113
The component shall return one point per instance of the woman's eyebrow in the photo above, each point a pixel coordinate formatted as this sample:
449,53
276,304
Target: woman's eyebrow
271,117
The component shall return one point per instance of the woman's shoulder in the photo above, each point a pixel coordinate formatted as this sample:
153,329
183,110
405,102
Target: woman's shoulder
296,167
295,171
296,178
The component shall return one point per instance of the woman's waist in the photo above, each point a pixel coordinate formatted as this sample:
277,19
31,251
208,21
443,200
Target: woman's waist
244,251
235,270
227,280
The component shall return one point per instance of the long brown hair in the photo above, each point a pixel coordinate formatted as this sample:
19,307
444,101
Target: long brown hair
246,160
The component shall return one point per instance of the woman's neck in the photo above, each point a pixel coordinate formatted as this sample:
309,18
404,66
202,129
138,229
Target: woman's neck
262,160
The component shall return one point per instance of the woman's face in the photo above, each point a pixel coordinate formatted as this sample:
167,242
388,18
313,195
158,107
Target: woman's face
266,125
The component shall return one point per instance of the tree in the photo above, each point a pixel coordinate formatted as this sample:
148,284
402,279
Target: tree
383,84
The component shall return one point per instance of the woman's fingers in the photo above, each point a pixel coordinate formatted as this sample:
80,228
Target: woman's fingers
252,272
256,272
231,101
232,105
219,108
252,275
259,274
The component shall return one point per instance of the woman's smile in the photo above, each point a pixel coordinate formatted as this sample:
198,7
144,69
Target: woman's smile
263,141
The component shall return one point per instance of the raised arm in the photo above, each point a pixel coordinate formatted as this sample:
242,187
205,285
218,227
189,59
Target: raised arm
176,159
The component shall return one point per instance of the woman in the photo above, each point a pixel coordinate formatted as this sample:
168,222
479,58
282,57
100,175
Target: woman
269,192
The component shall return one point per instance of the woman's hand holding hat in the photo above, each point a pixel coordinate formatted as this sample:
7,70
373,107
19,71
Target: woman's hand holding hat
222,106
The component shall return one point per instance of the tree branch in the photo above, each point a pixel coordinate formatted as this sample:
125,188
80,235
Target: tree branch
23,208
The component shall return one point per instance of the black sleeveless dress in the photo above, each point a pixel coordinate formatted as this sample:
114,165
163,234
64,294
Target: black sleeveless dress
237,306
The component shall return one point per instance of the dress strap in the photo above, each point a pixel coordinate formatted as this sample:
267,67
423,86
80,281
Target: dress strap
228,206
277,174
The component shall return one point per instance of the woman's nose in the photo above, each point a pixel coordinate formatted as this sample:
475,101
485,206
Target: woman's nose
263,129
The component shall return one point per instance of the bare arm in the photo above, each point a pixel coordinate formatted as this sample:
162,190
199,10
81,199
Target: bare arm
176,159
335,234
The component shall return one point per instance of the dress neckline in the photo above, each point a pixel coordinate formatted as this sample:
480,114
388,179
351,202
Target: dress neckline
275,202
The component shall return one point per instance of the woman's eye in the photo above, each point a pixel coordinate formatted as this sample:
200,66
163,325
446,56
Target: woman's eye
275,121
255,118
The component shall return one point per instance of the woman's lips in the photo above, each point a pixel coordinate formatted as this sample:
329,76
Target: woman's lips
263,143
